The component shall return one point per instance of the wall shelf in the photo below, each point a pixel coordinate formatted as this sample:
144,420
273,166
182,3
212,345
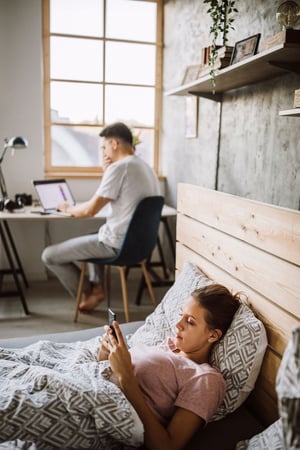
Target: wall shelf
265,65
295,112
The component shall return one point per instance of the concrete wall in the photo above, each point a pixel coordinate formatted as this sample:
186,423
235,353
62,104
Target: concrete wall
259,150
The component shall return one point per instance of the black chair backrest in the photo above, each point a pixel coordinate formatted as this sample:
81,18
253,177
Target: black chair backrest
142,232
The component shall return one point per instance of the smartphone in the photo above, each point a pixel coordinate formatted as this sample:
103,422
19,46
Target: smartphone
111,317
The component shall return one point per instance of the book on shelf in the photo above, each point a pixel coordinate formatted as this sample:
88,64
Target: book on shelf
223,51
288,36
220,63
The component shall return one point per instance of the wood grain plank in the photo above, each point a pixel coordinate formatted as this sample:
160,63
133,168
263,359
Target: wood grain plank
273,277
271,228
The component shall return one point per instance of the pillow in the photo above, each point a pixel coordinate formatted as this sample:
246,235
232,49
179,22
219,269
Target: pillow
238,355
288,390
285,432
271,438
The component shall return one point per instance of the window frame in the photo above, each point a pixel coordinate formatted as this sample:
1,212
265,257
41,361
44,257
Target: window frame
94,172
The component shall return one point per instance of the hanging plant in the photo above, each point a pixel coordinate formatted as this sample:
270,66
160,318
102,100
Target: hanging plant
221,13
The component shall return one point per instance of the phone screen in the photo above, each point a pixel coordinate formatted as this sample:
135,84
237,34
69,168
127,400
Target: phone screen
111,317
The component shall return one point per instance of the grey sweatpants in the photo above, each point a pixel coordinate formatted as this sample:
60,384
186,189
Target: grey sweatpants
63,260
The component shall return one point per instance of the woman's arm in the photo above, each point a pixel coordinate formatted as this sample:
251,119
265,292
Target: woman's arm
183,424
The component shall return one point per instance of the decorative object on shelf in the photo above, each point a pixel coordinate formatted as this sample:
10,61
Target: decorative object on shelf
288,36
288,14
297,99
13,143
191,116
223,60
191,74
245,48
221,12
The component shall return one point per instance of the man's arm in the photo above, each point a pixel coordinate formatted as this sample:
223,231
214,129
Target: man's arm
86,209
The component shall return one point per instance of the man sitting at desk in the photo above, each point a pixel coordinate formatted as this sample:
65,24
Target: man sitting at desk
127,180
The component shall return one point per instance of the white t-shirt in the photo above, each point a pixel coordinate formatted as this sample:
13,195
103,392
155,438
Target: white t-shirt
125,182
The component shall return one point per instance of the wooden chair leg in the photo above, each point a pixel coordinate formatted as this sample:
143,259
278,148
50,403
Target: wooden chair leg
79,290
122,271
148,282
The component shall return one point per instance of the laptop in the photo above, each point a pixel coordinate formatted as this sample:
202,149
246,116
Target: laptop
53,192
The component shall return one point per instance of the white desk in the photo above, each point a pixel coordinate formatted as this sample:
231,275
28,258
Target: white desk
15,266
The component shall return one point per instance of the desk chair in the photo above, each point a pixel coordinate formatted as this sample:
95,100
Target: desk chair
138,244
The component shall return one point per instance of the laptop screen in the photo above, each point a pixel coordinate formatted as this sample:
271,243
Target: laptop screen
53,192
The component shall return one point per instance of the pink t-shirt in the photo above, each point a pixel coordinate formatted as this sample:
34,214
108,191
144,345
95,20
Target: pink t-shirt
169,381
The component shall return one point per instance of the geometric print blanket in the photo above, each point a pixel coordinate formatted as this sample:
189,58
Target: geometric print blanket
57,395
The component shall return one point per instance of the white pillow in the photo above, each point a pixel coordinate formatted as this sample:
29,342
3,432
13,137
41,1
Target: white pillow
246,336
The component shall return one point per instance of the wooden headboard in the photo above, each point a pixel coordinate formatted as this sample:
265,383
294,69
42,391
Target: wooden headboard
251,247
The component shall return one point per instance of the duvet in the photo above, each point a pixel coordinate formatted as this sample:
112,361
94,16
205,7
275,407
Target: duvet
56,395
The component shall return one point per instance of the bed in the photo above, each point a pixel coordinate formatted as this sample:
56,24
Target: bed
250,247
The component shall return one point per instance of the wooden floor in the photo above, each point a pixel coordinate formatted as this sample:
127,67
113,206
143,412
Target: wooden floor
52,309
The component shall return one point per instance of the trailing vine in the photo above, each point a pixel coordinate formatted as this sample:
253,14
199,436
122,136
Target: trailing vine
221,12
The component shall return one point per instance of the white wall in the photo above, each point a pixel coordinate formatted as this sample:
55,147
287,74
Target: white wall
21,113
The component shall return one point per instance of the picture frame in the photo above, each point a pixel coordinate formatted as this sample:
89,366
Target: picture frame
191,74
245,48
191,117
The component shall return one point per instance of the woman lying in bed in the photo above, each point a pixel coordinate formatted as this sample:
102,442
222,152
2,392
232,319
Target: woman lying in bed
173,388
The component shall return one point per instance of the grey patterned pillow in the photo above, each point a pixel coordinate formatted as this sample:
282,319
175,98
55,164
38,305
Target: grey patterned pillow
246,336
288,390
239,355
271,438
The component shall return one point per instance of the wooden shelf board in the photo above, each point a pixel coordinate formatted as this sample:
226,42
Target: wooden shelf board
263,66
290,112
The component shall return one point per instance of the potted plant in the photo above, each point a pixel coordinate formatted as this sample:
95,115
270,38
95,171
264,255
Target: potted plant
221,13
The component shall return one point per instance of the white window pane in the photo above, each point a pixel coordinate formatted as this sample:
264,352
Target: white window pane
78,17
138,61
130,104
131,19
75,146
76,59
76,102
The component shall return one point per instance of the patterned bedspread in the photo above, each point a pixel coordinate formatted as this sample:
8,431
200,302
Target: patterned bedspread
57,395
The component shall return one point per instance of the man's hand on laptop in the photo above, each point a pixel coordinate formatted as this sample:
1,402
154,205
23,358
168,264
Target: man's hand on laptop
63,207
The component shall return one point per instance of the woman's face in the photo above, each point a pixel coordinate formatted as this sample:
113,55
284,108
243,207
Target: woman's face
192,332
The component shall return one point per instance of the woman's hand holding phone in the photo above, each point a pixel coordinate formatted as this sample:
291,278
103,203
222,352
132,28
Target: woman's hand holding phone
111,318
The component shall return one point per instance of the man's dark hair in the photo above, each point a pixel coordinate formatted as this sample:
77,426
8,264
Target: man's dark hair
118,130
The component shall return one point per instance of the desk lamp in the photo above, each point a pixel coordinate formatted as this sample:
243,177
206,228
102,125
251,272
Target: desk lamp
13,143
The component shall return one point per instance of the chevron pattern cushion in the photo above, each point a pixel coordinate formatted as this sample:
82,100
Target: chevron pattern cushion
271,438
238,355
288,390
285,432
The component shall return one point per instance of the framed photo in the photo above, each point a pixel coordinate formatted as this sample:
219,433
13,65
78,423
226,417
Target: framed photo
245,48
191,74
191,116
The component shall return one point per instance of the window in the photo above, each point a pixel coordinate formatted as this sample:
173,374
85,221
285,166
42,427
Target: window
102,63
